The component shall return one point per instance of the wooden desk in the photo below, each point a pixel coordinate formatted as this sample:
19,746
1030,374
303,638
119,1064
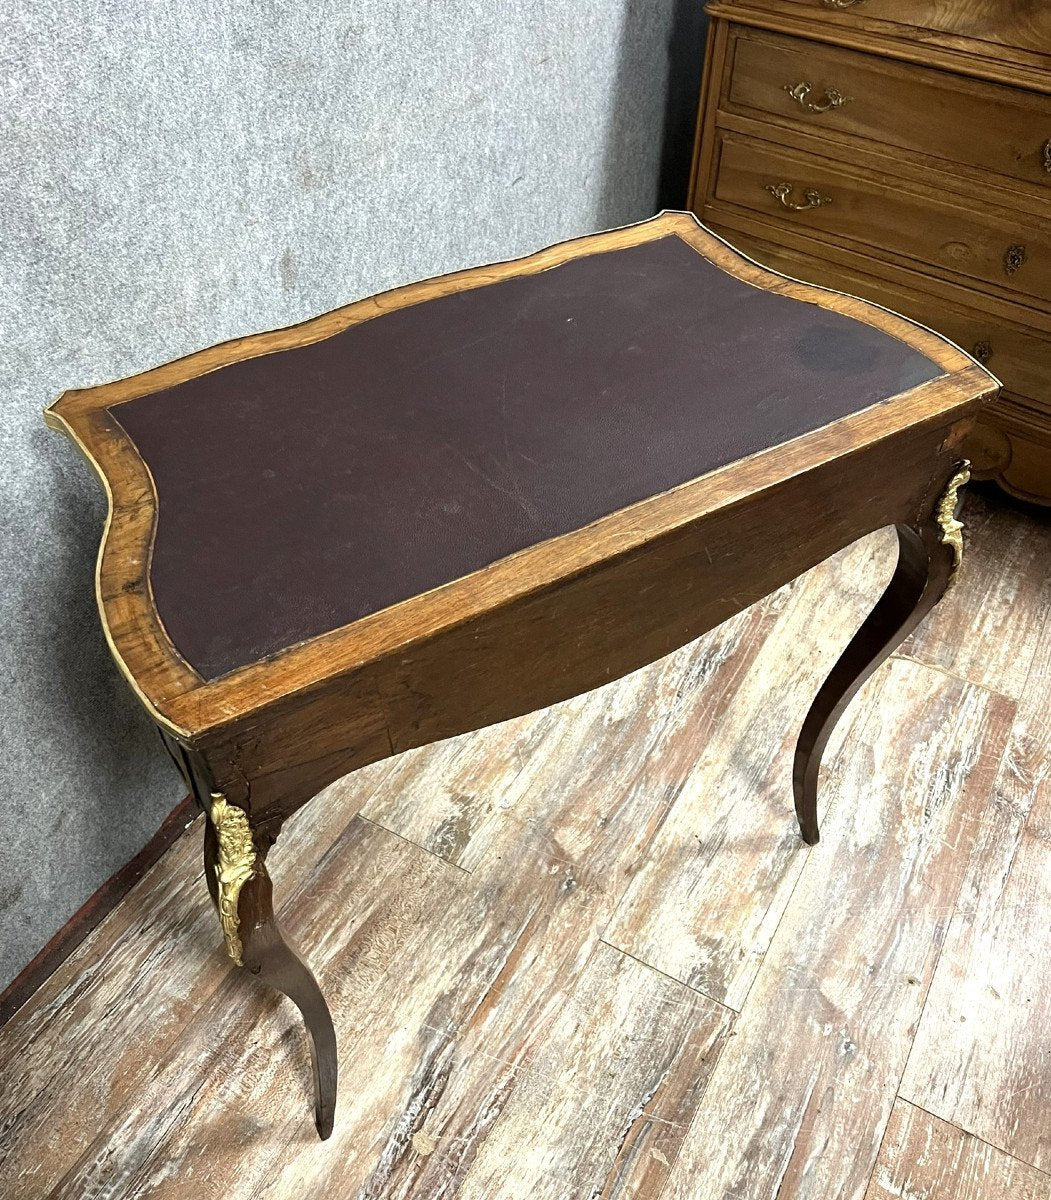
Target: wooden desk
475,496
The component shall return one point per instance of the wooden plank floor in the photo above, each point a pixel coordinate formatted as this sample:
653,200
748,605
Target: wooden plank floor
585,955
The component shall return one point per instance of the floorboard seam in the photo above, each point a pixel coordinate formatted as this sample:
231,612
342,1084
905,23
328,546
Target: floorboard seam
883,1134
416,845
964,875
921,662
657,971
969,1133
784,912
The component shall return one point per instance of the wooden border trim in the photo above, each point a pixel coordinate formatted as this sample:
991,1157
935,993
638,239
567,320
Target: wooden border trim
186,706
123,591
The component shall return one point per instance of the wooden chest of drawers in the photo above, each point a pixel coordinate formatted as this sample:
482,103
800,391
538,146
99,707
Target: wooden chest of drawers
899,150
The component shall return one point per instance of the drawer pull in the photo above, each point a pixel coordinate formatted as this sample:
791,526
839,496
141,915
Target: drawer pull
812,197
833,98
840,3
1047,156
1014,257
982,351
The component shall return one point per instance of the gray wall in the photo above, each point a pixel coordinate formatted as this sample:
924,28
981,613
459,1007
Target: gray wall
175,175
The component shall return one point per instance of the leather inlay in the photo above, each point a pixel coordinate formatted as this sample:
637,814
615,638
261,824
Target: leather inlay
302,490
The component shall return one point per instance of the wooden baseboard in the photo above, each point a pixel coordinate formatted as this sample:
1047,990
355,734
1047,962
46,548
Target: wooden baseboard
93,911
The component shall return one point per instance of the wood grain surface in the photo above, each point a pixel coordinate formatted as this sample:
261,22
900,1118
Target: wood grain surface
931,119
486,917
931,34
847,970
1017,24
924,1157
903,222
982,1058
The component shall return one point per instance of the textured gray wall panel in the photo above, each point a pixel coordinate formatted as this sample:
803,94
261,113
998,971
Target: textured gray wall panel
175,175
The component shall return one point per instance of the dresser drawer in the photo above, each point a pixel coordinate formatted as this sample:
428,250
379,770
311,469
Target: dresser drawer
1018,355
1021,358
1024,24
827,89
830,199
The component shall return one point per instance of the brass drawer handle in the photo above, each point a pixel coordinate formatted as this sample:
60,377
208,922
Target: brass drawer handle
812,197
840,3
1014,257
834,98
1047,156
983,351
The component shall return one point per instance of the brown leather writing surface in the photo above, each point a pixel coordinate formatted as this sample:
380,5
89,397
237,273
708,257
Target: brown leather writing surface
302,490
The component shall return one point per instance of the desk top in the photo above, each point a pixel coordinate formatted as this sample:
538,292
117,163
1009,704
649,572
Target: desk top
289,485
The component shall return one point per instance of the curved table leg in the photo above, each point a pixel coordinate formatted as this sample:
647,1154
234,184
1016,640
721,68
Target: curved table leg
929,554
243,893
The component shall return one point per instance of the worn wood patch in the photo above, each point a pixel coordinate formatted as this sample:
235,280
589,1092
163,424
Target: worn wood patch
982,1056
713,885
117,994
923,1158
444,797
988,630
799,1099
598,1106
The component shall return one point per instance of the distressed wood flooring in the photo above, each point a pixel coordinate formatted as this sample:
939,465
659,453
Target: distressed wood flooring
585,955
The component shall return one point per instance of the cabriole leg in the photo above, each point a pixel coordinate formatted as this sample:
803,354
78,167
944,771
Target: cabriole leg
243,893
929,555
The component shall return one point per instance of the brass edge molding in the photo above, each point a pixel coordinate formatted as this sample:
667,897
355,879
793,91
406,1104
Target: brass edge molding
235,866
65,415
945,514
